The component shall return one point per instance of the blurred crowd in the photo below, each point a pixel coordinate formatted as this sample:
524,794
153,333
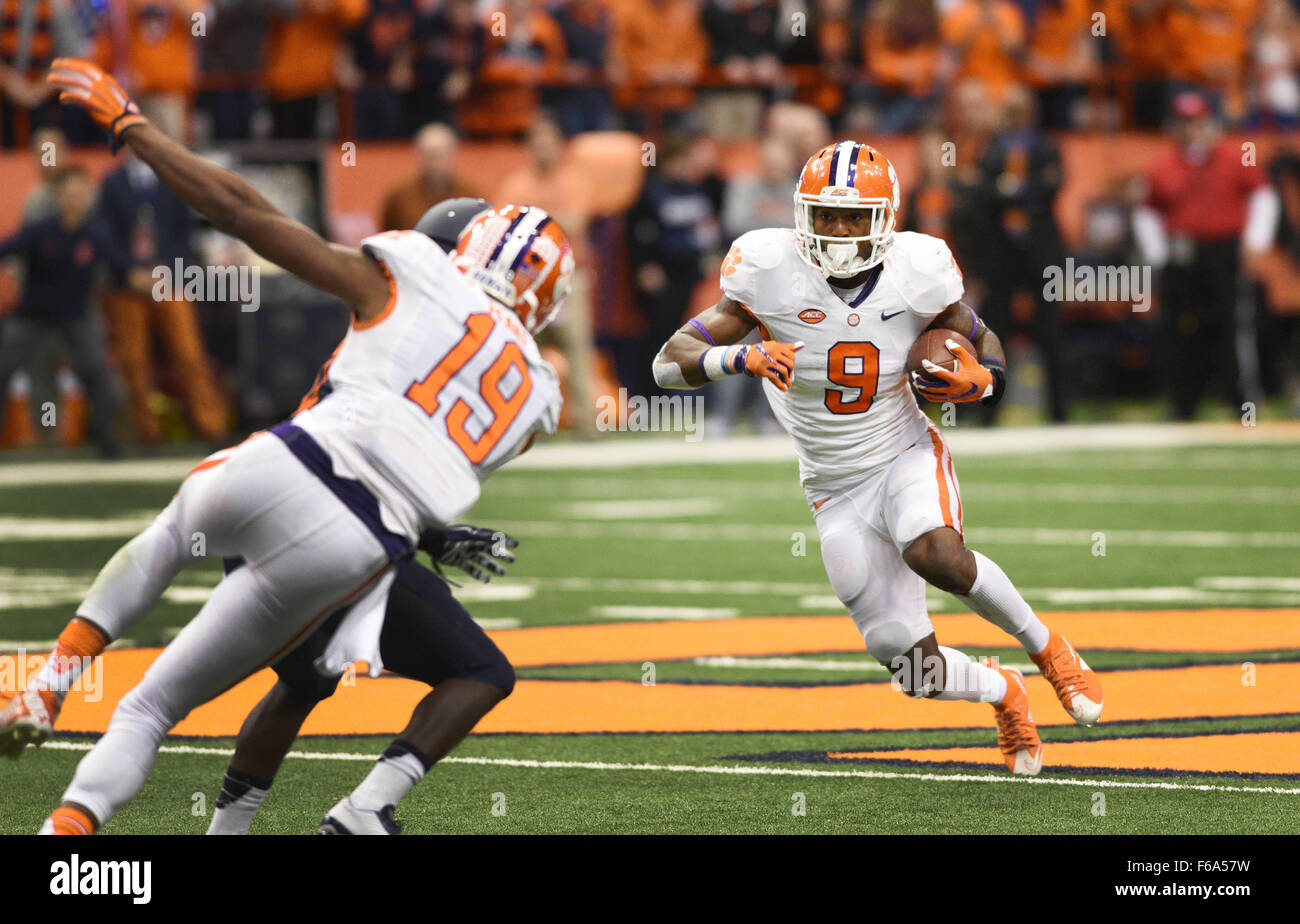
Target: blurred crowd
992,79
383,68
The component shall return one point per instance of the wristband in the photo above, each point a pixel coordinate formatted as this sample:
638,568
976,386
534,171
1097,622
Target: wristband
999,382
721,361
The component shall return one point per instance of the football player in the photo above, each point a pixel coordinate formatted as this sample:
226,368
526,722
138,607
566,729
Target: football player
437,384
427,636
838,300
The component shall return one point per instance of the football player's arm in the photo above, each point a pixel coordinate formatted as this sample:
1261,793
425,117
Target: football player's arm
982,377
705,349
223,197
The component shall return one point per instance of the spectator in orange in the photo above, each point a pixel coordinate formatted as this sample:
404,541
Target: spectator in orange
525,51
1062,59
901,48
147,218
659,54
1210,46
162,61
406,203
985,41
302,54
1138,33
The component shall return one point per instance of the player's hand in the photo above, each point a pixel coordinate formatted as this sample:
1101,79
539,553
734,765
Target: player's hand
971,381
477,551
86,85
770,360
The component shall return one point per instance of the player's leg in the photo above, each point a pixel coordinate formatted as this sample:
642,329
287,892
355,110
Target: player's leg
123,593
264,739
922,506
308,556
427,636
271,728
248,618
886,600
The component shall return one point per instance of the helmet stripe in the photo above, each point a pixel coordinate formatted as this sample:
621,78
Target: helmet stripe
853,164
496,251
833,174
523,251
521,237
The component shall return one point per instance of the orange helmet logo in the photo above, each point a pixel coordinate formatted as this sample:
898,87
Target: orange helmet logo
519,256
847,174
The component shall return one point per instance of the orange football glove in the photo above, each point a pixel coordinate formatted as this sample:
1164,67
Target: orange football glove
84,84
971,381
769,360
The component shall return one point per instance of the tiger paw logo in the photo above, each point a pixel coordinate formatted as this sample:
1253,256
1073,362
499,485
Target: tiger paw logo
732,263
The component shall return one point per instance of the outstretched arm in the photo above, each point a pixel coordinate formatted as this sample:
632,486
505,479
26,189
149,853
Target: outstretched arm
228,201
702,351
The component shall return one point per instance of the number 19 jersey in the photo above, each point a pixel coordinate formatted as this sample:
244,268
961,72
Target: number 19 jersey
850,407
424,402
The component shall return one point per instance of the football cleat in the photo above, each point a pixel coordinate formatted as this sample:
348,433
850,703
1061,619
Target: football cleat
1017,735
346,818
1076,684
27,719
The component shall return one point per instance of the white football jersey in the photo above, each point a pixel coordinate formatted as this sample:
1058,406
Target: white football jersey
424,402
850,406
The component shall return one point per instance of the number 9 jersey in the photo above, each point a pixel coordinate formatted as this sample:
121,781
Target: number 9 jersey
850,407
425,401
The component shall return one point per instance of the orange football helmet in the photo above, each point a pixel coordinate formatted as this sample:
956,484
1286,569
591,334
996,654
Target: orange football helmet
519,256
847,174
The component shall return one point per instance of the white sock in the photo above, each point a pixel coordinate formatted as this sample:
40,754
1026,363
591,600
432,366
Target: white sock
995,598
967,679
241,796
401,767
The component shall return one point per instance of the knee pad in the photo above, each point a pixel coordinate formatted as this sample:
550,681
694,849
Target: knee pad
889,639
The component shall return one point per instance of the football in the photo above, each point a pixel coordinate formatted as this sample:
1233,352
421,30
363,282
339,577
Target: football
931,345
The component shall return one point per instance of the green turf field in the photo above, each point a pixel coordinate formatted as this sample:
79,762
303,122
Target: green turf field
1184,528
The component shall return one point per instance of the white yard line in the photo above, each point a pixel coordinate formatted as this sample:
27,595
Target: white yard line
655,613
742,770
972,442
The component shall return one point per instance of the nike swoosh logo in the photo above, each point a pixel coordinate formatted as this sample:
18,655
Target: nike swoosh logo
886,317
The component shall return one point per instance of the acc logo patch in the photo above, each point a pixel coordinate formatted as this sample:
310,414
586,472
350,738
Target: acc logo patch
812,316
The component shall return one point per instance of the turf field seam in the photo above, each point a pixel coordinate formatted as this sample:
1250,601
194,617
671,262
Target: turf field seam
743,771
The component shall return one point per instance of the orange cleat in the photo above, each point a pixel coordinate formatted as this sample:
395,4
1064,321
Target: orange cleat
1076,684
28,718
1017,735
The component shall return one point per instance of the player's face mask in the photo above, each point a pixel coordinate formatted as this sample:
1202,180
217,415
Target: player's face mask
846,175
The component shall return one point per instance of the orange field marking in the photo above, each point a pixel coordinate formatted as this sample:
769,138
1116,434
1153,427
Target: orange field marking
1263,752
383,705
1142,630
